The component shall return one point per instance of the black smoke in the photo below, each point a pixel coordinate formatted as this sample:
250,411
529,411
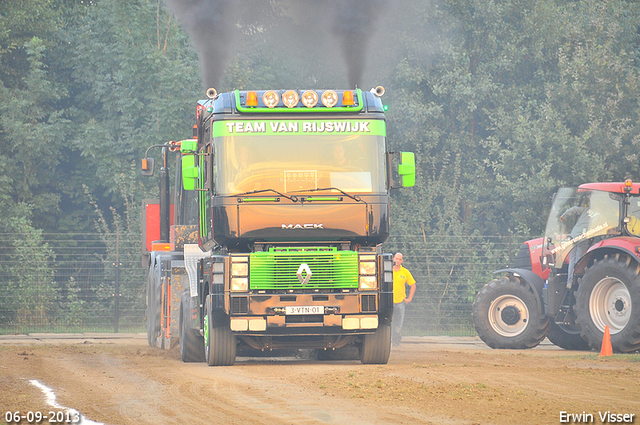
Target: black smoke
214,28
354,24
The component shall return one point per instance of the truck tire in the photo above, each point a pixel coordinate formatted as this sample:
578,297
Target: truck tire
153,309
219,341
609,295
567,337
191,342
376,347
506,315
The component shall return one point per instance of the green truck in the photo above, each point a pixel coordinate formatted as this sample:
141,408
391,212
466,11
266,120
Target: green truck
273,240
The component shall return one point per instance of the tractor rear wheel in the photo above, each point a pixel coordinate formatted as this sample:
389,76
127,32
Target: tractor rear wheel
506,315
191,342
609,295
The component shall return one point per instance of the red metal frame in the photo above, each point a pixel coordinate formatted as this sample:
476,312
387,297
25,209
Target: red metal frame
615,187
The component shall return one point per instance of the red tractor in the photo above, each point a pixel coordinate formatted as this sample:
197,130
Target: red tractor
582,277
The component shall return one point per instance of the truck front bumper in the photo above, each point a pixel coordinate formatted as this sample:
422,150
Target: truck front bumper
317,313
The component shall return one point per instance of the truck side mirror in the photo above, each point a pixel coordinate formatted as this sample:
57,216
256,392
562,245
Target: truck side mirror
188,148
407,169
148,166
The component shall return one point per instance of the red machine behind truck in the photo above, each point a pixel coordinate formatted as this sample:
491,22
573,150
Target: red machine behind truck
281,207
599,225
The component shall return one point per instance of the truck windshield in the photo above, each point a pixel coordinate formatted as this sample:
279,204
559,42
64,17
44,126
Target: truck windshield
350,161
577,216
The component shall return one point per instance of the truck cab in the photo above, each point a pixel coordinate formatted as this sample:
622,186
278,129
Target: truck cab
293,206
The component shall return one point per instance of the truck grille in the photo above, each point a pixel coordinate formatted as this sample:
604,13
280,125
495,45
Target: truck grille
368,303
239,305
277,269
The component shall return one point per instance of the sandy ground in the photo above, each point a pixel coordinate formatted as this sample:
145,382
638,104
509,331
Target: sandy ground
118,379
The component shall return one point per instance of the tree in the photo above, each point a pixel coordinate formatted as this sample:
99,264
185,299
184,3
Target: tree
33,121
504,101
138,83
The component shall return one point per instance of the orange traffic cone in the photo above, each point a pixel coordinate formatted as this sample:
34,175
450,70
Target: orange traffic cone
606,343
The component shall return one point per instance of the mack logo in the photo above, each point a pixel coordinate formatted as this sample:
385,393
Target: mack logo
304,268
302,226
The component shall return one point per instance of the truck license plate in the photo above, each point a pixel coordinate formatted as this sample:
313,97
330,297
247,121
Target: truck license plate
313,309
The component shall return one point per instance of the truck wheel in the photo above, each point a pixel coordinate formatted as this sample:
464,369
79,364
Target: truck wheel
191,342
153,309
219,342
567,337
506,315
376,347
609,295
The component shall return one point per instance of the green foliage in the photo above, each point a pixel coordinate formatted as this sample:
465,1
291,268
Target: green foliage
26,272
32,136
506,101
121,261
20,22
137,85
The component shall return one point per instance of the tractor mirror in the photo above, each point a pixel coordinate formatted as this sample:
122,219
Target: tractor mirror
148,165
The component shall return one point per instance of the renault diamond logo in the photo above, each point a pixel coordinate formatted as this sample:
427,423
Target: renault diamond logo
302,269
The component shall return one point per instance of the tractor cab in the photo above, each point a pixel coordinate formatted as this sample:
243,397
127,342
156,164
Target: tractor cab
578,217
588,215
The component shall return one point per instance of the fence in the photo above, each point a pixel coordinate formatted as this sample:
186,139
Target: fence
96,282
449,271
71,283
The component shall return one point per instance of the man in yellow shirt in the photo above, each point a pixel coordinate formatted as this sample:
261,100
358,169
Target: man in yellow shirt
401,278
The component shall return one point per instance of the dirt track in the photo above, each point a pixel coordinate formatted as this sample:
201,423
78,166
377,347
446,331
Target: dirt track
427,381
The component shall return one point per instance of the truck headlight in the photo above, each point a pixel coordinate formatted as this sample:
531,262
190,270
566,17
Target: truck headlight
367,271
368,267
309,98
239,284
290,98
367,283
240,269
329,98
239,273
270,99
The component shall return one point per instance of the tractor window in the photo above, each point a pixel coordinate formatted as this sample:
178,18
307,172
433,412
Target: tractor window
577,216
633,226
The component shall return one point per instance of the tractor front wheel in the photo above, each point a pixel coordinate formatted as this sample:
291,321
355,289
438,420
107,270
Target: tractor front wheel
506,315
